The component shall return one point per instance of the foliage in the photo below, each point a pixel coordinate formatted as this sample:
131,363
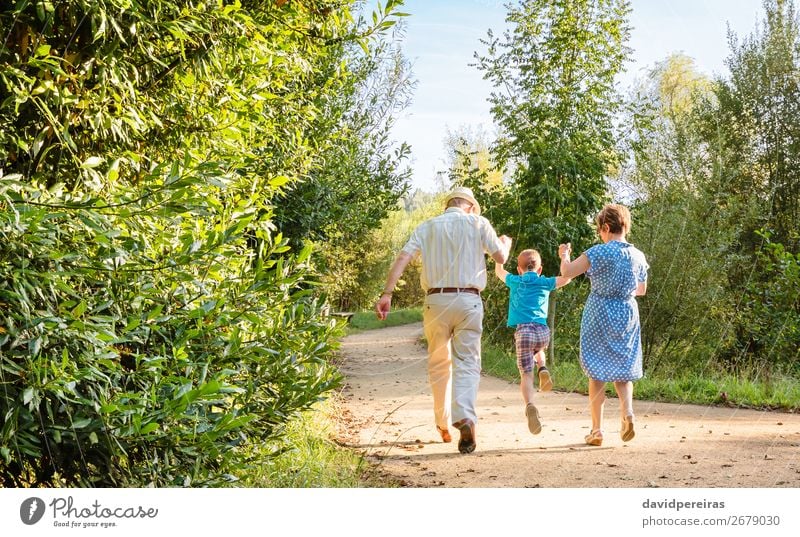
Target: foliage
368,321
470,160
356,271
770,313
308,457
748,389
154,323
360,177
713,164
755,126
753,141
130,376
676,220
554,101
339,204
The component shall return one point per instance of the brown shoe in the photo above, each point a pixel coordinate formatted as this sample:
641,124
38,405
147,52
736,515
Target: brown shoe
594,438
534,423
545,380
446,438
466,444
626,431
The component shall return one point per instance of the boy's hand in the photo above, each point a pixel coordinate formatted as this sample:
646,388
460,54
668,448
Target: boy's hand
506,241
565,249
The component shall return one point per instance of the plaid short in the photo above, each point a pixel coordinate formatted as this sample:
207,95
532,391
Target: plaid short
530,339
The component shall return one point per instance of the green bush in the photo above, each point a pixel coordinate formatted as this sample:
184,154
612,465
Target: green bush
124,376
768,322
367,320
153,321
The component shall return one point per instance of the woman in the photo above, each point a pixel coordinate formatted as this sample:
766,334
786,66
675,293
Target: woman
611,346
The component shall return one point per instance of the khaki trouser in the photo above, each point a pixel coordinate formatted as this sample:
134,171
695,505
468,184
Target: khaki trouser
453,323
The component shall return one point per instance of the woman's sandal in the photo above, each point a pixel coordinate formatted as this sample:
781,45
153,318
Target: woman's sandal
594,438
626,431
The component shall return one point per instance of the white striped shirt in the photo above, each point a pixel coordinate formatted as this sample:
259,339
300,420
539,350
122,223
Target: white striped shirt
452,247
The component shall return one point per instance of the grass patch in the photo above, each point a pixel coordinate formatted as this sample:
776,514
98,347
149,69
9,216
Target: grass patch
776,393
309,458
366,320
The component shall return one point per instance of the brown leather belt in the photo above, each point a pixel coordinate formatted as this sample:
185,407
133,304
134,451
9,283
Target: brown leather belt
436,290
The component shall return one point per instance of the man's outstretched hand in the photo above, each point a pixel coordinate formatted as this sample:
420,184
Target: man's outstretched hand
383,306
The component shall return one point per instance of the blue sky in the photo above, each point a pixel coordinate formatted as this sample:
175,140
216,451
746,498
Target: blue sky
442,35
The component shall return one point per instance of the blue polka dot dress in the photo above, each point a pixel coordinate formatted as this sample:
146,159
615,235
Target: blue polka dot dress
611,344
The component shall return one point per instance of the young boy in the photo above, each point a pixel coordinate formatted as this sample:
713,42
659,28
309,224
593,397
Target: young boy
527,312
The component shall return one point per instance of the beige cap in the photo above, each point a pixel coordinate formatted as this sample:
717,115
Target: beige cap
464,193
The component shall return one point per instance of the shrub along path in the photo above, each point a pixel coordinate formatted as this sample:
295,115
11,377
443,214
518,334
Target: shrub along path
387,415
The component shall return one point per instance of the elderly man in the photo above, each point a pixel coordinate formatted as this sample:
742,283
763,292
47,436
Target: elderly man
452,248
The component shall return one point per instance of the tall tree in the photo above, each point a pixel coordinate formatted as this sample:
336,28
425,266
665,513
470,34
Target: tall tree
754,132
753,138
554,101
678,223
358,174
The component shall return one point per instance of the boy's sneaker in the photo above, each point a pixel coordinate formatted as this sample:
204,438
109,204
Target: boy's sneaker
545,381
534,424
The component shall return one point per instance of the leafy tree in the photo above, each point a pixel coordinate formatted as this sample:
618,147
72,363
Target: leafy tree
770,311
359,177
755,127
752,131
712,167
676,222
154,322
555,101
470,159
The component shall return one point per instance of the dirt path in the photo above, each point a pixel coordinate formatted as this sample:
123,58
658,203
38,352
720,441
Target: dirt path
389,417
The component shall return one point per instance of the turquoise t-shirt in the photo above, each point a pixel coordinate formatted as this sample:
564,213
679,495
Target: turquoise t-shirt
529,296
